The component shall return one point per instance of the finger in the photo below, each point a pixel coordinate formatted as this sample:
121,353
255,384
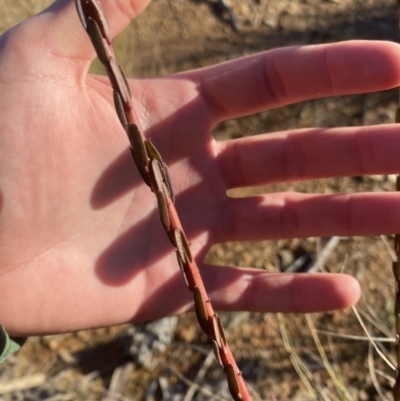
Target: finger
260,291
292,215
58,31
288,75
310,154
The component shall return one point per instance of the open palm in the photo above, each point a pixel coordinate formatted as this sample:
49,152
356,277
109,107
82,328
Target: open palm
80,238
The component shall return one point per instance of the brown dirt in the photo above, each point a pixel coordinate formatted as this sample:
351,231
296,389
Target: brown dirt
177,35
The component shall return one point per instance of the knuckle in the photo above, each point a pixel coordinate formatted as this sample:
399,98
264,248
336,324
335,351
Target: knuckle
274,84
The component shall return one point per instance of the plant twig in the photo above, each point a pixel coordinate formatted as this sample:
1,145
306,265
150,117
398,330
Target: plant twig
396,270
154,173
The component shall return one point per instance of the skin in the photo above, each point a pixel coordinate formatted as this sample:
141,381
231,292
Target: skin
81,245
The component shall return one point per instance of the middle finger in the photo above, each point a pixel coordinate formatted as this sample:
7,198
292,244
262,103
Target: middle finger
309,154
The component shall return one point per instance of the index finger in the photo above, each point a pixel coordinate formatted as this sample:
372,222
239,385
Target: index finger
283,76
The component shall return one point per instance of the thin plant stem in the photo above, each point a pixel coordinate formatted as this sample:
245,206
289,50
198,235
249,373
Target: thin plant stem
396,269
154,173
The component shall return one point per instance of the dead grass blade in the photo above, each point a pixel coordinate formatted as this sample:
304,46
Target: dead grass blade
381,354
339,385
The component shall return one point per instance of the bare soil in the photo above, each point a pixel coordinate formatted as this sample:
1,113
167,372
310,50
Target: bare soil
175,35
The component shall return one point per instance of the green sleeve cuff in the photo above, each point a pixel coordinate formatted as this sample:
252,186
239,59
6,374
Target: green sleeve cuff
8,344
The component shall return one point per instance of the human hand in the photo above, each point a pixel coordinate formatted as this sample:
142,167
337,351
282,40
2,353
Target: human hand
81,241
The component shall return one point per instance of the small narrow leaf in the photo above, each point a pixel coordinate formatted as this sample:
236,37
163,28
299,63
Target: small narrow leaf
162,207
218,331
137,144
96,12
199,304
152,151
171,237
216,353
201,313
92,9
186,246
180,240
221,330
118,80
120,109
185,278
233,383
156,170
180,263
79,9
141,169
186,272
94,33
168,181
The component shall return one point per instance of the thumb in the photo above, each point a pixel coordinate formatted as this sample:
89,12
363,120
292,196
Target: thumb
60,33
